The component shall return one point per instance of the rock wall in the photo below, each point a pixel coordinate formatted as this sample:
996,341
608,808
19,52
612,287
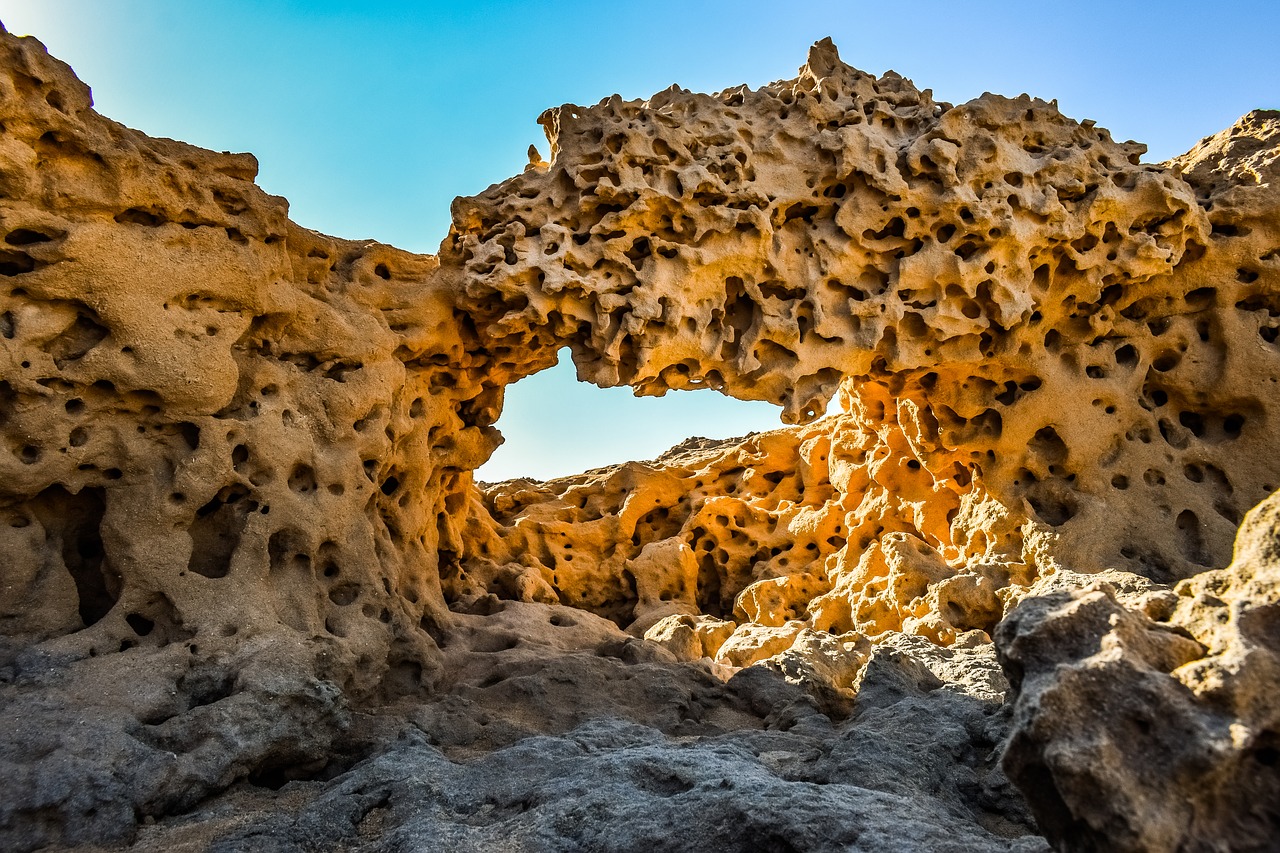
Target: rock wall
248,578
232,448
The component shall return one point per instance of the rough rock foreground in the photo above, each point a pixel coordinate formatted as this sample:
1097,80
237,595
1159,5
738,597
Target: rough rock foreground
252,599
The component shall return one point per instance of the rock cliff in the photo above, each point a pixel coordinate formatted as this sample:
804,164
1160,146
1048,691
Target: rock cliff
254,599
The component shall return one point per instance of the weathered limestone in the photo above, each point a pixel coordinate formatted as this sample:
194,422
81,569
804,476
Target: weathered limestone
243,551
213,417
228,443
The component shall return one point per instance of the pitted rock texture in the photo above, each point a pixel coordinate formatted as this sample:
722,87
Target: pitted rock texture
1146,717
1050,354
244,553
231,447
203,403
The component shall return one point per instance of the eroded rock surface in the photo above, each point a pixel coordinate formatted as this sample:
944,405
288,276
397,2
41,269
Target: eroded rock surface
1146,719
253,598
229,443
1049,353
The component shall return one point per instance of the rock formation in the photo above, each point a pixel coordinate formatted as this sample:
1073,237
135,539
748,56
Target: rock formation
1146,719
1051,354
254,599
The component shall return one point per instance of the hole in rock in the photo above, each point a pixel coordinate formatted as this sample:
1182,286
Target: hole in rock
1191,539
77,339
141,216
1049,446
1194,422
344,595
190,435
16,263
26,237
302,479
215,532
555,425
72,524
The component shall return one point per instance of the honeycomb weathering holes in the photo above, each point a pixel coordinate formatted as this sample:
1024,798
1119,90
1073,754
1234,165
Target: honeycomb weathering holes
217,426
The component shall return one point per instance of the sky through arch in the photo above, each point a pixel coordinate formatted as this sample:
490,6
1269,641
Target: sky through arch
566,426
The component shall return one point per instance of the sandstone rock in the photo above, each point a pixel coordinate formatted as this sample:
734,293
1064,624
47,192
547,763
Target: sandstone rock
819,659
1050,355
969,667
751,643
690,637
243,552
227,444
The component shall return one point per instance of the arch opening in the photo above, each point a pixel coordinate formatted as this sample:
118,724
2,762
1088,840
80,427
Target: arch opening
555,425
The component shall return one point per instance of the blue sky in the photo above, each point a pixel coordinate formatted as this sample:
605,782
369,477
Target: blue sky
370,117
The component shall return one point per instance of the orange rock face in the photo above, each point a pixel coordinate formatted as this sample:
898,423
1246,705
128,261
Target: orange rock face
1049,354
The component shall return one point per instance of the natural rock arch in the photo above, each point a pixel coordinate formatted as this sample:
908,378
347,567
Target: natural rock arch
237,489
1028,324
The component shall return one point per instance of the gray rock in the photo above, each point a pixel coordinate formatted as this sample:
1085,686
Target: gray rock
1136,734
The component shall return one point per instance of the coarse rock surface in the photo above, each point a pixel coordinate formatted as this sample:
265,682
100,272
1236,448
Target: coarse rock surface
1049,353
254,599
1146,716
231,446
614,753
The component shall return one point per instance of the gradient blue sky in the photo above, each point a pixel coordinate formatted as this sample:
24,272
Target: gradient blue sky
370,117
